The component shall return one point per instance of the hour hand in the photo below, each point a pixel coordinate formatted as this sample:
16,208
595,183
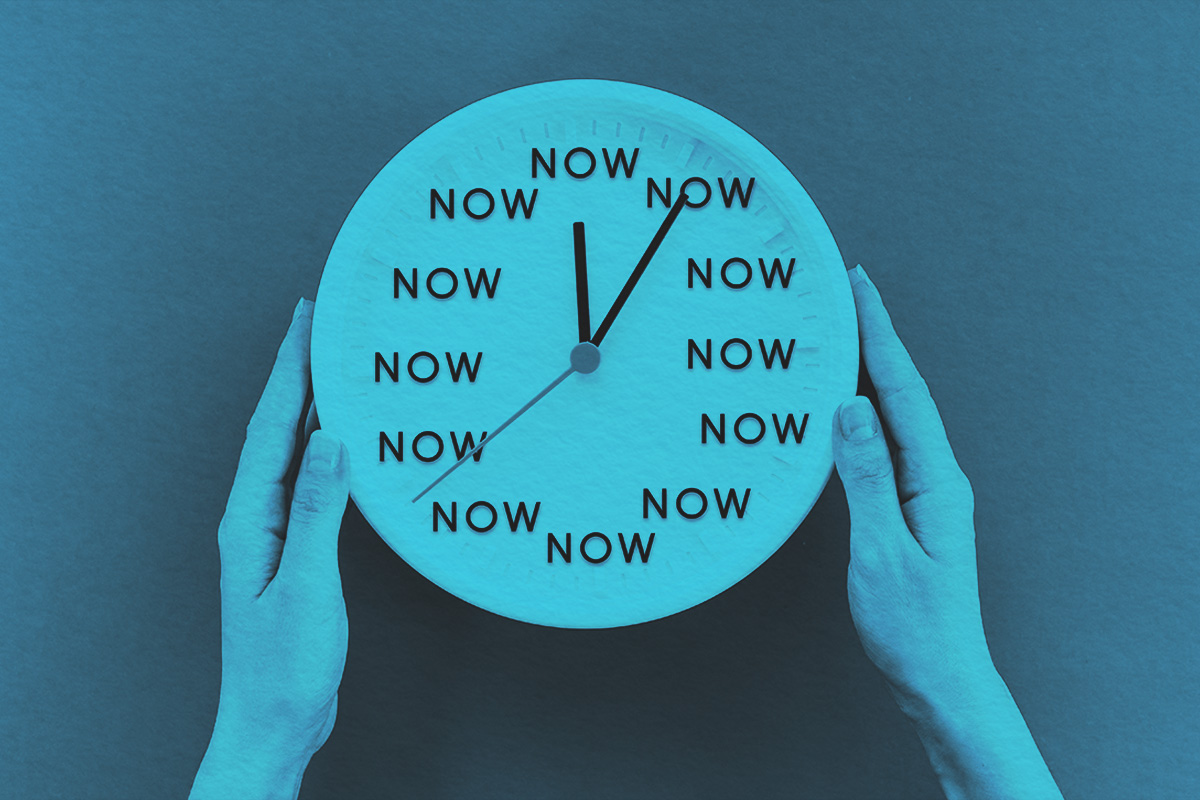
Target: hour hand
581,285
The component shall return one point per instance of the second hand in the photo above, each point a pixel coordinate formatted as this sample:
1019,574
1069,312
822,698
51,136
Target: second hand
488,438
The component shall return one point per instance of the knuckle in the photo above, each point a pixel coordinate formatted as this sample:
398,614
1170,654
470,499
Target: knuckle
226,534
260,426
871,473
865,558
313,498
960,492
913,385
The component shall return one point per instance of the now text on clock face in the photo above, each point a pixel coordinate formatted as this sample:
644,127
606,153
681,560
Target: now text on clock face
651,479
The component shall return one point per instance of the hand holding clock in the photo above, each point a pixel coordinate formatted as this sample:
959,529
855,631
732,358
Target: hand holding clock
283,619
912,579
914,593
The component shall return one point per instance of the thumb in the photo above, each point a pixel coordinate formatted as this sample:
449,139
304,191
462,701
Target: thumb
322,488
865,467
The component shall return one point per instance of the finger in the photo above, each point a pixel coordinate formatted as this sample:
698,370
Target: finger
908,409
311,423
309,558
864,464
256,514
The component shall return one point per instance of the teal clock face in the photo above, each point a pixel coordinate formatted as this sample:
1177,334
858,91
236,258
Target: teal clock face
661,287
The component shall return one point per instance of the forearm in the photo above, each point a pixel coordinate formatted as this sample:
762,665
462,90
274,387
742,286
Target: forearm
977,740
239,764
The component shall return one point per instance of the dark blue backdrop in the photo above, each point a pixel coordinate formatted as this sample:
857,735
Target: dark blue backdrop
1022,180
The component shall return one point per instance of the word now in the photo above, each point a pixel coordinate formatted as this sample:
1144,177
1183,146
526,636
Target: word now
757,427
479,203
439,446
596,548
692,188
481,516
724,504
412,283
424,366
580,162
743,354
742,280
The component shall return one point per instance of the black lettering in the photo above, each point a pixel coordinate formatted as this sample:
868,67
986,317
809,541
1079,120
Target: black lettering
416,443
481,279
725,353
636,544
690,202
737,428
435,200
725,273
429,283
735,188
776,271
694,268
460,450
412,368
385,444
549,168
398,278
393,369
620,162
522,516
552,544
517,200
652,190
491,203
591,163
583,547
706,425
471,510
703,503
463,363
789,426
776,351
659,506
731,499
440,513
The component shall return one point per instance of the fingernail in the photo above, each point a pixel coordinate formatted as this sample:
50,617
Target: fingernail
323,453
858,420
859,275
299,310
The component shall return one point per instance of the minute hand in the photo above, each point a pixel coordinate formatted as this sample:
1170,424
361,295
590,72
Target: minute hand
644,262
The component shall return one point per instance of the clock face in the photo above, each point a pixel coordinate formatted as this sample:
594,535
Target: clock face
665,457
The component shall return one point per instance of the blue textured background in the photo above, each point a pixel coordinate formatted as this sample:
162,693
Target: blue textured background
1022,181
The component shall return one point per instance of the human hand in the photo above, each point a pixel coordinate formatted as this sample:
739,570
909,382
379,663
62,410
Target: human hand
283,619
912,581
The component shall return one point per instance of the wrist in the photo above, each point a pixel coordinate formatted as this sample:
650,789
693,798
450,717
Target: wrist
248,761
976,738
964,684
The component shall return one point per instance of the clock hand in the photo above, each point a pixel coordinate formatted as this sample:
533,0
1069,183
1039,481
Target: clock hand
510,420
644,262
585,356
581,285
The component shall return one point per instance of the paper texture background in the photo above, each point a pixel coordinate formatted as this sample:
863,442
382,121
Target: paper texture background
1021,181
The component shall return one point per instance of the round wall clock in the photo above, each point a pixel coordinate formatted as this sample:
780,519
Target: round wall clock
584,341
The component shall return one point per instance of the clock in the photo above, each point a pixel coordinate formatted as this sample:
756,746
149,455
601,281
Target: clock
584,341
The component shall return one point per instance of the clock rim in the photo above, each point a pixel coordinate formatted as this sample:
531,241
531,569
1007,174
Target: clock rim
606,85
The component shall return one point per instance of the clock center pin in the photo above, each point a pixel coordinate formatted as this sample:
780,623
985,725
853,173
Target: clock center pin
585,357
